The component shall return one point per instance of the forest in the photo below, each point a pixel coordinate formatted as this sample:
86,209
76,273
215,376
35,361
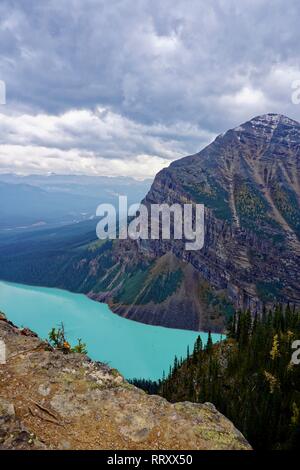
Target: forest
252,377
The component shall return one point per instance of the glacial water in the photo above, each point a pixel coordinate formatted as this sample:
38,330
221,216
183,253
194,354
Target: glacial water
135,349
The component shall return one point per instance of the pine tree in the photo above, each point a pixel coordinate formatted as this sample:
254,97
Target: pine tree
249,378
209,343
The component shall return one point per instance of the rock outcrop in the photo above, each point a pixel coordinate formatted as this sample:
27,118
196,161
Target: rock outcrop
51,400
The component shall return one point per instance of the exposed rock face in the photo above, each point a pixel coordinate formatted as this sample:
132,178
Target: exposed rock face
249,181
49,400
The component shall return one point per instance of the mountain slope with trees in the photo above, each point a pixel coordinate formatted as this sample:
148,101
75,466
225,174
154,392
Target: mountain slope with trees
248,180
250,377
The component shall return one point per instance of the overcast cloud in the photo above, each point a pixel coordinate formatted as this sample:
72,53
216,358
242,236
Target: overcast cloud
123,87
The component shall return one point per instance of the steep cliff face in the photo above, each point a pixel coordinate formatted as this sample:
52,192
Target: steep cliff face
50,400
248,179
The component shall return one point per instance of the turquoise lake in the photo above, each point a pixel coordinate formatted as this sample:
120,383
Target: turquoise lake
135,349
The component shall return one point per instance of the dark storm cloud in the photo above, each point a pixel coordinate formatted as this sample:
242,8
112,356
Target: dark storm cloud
171,74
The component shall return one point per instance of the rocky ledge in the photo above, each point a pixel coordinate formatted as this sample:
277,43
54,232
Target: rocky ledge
50,400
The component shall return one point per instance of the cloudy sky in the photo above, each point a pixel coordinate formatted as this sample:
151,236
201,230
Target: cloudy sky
123,87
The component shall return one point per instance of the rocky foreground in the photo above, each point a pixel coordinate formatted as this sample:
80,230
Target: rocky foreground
50,400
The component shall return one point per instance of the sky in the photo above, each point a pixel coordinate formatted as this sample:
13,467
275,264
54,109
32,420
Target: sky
124,87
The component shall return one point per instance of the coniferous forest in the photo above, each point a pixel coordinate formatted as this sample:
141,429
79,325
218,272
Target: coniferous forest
250,377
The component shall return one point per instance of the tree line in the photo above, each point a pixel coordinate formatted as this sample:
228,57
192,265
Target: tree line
250,377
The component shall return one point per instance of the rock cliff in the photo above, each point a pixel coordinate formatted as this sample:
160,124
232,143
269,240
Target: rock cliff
248,179
50,400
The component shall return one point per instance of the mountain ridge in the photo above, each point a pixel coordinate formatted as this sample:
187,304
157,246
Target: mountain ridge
248,180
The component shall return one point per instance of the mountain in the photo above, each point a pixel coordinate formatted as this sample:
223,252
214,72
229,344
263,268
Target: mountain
23,205
38,200
51,400
248,179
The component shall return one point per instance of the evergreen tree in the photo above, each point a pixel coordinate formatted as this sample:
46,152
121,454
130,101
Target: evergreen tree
249,377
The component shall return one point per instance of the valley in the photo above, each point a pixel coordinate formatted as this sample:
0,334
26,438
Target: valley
248,180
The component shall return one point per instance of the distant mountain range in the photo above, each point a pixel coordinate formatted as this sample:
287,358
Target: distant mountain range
248,179
37,200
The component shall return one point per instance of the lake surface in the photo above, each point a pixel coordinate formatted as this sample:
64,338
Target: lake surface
135,349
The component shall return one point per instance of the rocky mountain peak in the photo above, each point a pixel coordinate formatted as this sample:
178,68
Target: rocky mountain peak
249,182
268,127
270,120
